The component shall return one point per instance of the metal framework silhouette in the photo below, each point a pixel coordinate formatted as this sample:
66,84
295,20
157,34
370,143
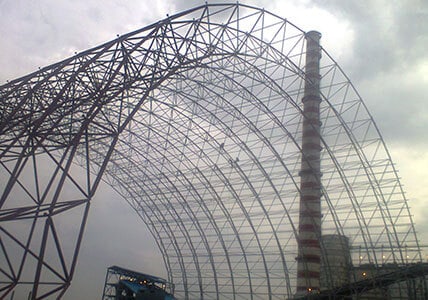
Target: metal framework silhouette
196,122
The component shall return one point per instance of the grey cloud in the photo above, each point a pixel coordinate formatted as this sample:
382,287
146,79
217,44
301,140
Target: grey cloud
389,47
385,33
186,4
43,32
400,110
411,32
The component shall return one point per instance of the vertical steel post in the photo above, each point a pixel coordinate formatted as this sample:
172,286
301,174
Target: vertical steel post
309,251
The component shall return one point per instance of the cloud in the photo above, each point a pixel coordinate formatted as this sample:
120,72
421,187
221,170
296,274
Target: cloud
43,32
387,63
386,34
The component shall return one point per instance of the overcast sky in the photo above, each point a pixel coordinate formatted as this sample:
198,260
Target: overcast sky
382,45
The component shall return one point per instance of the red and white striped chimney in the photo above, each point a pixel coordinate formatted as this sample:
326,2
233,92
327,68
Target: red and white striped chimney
309,251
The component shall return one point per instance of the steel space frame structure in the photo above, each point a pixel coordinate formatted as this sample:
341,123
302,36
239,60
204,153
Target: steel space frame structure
196,122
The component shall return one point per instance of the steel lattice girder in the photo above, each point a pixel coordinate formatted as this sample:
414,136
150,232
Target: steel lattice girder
196,122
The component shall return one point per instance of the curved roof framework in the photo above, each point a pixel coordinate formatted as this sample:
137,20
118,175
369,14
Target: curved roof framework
196,122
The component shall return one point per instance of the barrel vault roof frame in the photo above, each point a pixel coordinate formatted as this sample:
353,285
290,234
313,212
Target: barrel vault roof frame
196,122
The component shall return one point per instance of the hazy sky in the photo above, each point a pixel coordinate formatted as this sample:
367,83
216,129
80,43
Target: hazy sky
382,45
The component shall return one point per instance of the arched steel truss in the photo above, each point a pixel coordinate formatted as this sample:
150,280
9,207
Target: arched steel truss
196,121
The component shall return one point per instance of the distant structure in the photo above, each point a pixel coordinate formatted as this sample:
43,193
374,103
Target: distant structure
240,144
124,284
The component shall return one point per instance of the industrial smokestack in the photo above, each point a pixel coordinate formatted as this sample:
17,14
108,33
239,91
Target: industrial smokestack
309,250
